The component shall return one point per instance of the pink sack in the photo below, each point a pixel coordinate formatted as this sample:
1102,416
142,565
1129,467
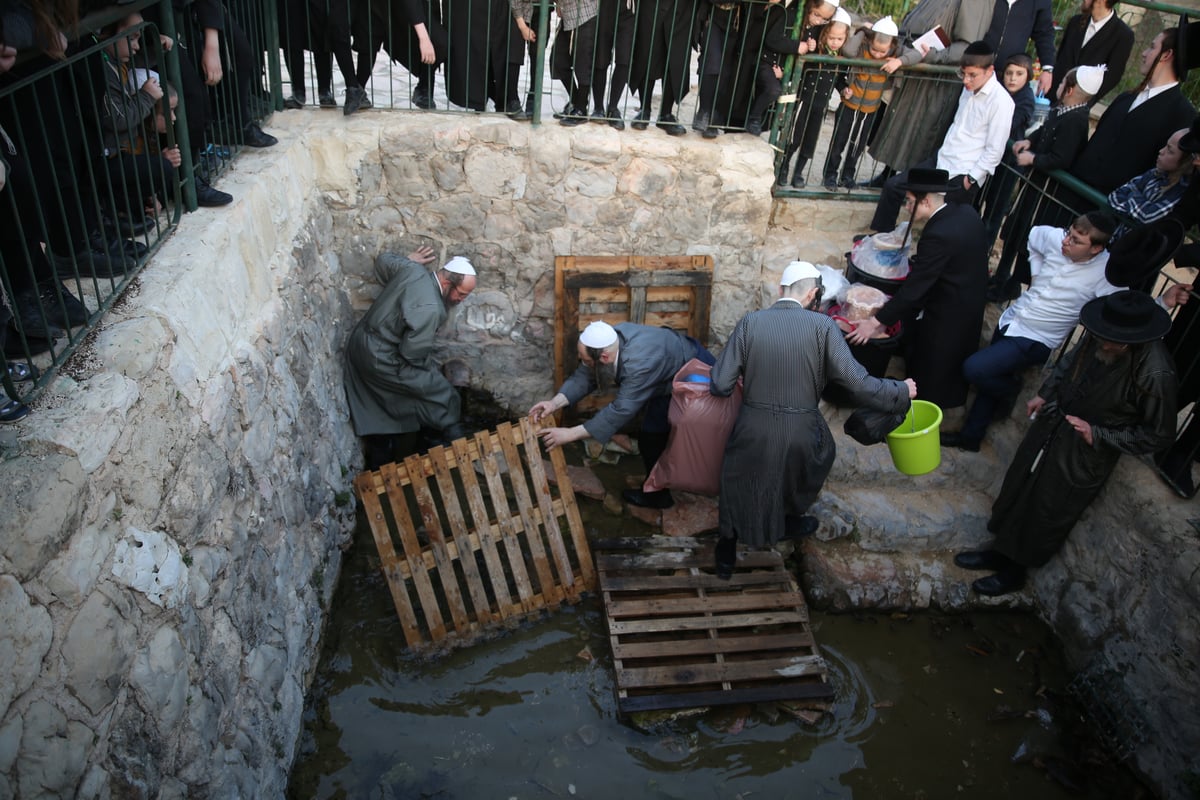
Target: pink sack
700,424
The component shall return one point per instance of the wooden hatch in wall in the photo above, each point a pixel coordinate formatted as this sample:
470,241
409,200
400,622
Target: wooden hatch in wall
671,291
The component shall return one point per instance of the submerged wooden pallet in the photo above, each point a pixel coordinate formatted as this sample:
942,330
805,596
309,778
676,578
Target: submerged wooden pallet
683,638
461,556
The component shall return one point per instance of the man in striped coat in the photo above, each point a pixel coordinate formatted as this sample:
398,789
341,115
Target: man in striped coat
781,450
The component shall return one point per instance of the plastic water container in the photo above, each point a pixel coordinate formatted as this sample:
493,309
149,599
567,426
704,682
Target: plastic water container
1041,112
916,444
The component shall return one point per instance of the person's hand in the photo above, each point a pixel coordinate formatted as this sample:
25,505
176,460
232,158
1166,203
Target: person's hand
924,48
966,183
1177,295
1034,406
8,57
422,255
527,33
152,88
556,437
428,53
173,155
210,65
542,409
803,48
891,65
1043,84
166,42
1083,428
1025,158
1020,147
864,331
912,388
778,70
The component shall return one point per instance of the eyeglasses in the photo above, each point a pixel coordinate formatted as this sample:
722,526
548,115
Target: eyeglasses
1071,238
969,76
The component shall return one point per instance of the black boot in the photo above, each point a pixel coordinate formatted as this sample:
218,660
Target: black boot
726,557
652,446
798,175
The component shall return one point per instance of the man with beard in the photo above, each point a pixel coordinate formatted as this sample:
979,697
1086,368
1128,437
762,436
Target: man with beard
392,382
1114,393
641,361
781,450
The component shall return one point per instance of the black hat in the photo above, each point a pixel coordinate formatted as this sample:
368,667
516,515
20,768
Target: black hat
980,48
1125,317
1187,47
1190,142
1139,254
924,181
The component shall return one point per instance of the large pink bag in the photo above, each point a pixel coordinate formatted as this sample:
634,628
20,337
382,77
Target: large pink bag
700,424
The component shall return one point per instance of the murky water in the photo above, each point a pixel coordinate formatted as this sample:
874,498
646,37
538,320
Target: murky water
928,706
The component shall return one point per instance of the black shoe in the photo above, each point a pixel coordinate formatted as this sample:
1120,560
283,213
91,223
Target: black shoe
798,181
957,440
1003,582
982,559
642,120
754,126
848,182
615,119
711,132
514,109
423,98
796,528
98,258
125,226
208,197
34,321
879,180
254,136
636,497
20,372
781,179
701,121
830,183
326,100
13,410
355,97
63,308
668,123
293,101
725,556
572,116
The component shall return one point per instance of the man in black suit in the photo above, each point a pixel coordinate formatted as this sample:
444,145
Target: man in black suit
1128,136
941,301
1094,37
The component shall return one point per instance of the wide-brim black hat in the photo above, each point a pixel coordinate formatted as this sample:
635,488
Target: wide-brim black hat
1140,254
1187,47
924,181
1126,317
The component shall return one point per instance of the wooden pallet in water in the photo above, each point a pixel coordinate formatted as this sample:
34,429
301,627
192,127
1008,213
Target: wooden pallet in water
683,638
473,536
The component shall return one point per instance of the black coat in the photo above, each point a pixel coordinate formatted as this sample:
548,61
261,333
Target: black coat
1126,143
947,286
1111,46
1013,26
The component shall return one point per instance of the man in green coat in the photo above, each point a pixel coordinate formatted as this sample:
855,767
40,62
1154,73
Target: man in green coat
1113,393
392,383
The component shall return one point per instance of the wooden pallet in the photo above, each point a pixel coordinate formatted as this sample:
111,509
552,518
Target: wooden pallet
462,557
671,291
683,638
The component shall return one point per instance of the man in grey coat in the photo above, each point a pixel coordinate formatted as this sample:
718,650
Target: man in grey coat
641,361
392,383
781,450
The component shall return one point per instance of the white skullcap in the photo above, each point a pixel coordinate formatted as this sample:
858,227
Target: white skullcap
886,26
460,265
834,3
841,16
1090,78
598,335
798,271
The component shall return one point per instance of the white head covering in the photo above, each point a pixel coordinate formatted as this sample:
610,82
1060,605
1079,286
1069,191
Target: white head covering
1089,78
841,16
798,270
598,335
460,265
834,3
886,26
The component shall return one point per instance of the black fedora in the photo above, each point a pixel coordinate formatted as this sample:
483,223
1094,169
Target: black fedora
924,181
1187,47
1125,317
1190,141
1140,254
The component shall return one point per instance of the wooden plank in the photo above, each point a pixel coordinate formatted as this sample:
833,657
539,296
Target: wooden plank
724,644
705,604
412,552
642,582
637,304
503,516
549,590
459,541
483,527
437,542
632,704
700,623
730,671
682,559
616,295
537,474
599,280
583,553
380,531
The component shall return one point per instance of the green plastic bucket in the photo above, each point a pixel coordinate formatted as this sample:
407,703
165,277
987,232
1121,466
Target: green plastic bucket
916,445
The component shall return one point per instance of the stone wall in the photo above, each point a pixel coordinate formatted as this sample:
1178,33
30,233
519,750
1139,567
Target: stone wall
176,506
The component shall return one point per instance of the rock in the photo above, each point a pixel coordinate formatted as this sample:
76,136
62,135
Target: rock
151,563
96,652
26,631
42,502
53,752
160,676
691,514
583,480
650,516
74,573
89,424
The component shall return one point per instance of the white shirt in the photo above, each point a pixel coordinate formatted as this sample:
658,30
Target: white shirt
978,136
1049,310
1094,27
1148,93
